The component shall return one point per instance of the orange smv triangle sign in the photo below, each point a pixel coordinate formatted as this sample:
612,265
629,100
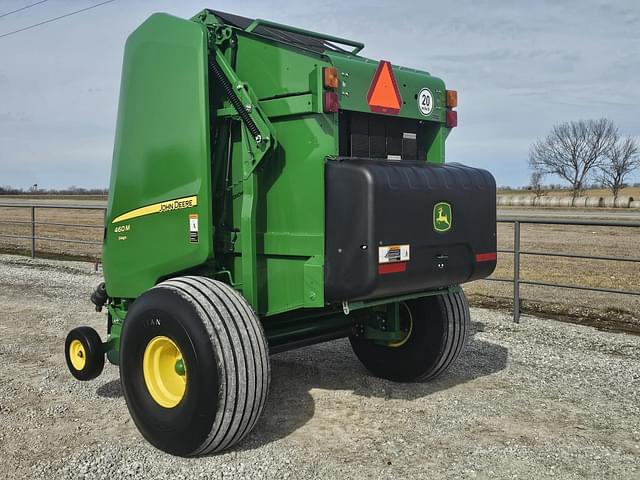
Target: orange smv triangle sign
383,96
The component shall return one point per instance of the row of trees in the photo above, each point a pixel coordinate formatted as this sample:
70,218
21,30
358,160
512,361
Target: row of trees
34,190
582,150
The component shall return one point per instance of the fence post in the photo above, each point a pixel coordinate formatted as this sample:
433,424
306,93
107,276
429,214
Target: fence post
33,232
516,271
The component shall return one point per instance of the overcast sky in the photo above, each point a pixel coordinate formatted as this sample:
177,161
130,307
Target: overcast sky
519,67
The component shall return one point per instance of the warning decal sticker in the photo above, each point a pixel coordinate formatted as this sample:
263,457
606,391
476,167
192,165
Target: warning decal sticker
193,228
393,253
383,95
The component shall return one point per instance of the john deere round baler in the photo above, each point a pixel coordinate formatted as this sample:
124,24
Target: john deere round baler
272,189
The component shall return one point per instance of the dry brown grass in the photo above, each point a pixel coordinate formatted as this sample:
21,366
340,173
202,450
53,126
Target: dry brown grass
581,240
601,309
586,240
48,248
602,241
37,197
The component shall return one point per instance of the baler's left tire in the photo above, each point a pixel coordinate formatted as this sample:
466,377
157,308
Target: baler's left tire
83,353
436,331
194,366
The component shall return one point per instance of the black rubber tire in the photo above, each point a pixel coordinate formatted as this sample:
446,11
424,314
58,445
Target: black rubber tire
439,333
94,353
226,357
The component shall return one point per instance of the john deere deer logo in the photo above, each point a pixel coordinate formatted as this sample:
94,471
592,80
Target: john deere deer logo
442,218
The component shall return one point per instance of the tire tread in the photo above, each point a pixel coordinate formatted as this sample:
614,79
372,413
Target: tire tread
243,362
457,311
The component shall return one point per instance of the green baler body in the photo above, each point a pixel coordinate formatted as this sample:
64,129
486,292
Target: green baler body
162,152
174,128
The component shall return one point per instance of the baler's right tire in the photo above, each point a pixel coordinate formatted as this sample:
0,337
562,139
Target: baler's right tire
436,332
194,366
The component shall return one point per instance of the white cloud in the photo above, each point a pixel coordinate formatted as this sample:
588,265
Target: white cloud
519,68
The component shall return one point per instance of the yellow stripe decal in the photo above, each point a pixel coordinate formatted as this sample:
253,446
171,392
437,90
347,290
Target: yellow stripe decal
162,207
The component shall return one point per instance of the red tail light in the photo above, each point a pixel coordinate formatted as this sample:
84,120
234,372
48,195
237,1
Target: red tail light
486,257
451,101
452,118
331,103
395,267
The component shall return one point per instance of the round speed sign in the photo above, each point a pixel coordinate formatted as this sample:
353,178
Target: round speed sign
425,101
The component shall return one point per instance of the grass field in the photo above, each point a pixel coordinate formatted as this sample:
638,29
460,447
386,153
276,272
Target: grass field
600,309
613,310
92,231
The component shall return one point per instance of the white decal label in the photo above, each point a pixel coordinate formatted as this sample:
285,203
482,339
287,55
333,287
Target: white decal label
193,228
425,102
393,253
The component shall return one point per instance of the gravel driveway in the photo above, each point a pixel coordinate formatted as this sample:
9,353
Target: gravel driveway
537,400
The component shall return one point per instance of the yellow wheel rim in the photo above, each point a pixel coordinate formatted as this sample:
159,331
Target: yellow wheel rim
77,354
408,329
164,371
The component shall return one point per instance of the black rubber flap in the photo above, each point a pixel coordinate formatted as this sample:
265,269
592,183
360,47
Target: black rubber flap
395,227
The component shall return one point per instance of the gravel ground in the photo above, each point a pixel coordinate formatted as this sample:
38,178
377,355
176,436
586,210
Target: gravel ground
537,400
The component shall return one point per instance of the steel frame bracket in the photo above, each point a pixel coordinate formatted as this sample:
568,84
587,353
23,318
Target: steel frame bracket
258,138
382,326
359,304
118,312
258,132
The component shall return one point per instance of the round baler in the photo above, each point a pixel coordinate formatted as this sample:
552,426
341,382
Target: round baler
271,189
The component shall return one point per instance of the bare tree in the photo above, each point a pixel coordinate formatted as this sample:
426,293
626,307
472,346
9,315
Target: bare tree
622,159
535,183
572,149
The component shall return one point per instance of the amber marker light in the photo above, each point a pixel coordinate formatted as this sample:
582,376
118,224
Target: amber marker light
330,77
452,98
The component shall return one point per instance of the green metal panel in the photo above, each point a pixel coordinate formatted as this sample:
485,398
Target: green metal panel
356,74
289,214
273,69
161,153
286,192
437,134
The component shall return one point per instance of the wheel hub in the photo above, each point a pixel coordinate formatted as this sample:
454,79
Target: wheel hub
77,355
165,373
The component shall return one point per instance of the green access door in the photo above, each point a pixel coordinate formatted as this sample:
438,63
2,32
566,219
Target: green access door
159,212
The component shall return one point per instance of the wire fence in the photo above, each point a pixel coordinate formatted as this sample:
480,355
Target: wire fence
33,223
517,252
